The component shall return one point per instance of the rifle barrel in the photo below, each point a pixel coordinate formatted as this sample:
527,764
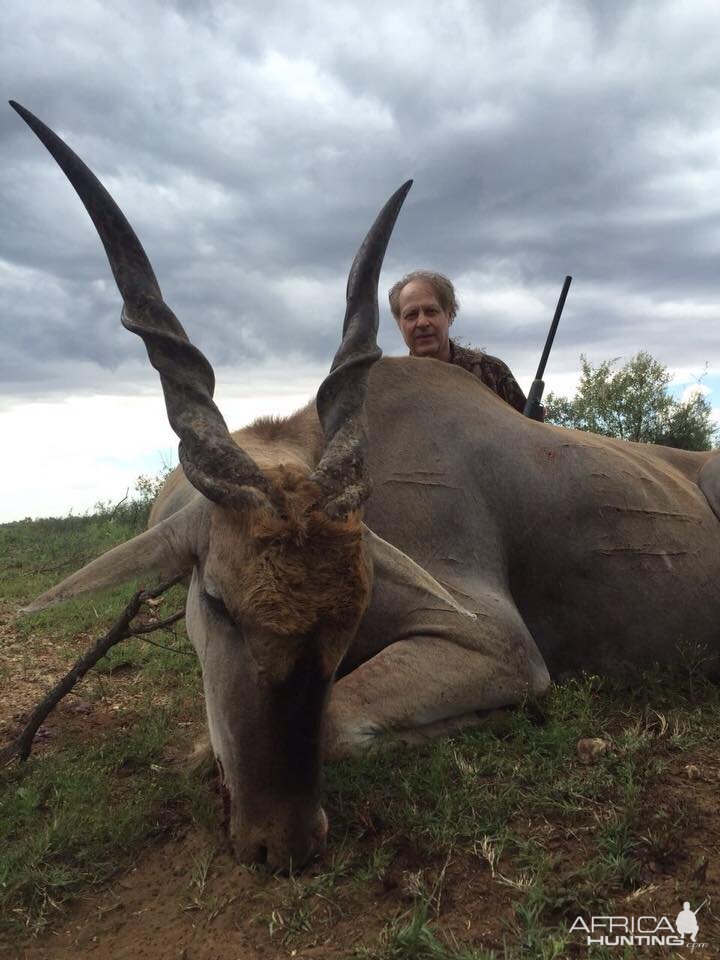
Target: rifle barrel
553,328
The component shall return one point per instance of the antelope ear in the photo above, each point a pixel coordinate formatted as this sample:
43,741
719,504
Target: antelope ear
392,566
168,549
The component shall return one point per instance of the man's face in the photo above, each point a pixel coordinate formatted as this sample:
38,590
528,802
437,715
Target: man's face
423,322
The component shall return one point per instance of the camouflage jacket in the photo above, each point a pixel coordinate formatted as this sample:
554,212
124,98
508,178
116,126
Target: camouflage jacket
491,371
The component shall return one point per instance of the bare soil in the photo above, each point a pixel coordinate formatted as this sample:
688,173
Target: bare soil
155,912
93,704
160,908
149,913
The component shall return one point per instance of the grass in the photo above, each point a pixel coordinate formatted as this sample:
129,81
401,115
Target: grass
412,937
73,818
504,821
497,791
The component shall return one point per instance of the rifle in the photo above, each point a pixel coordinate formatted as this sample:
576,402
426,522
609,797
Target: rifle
533,408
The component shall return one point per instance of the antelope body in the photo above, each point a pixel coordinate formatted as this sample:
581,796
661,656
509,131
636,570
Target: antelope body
491,553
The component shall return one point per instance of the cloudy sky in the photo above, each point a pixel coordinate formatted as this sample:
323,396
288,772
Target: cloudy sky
251,145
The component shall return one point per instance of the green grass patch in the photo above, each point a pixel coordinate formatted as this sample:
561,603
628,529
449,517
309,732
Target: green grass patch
39,553
497,792
73,819
415,937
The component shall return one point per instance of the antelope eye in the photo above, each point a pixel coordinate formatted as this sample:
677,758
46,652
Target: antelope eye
216,604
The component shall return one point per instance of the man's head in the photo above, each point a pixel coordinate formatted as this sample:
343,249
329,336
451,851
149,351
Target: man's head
424,305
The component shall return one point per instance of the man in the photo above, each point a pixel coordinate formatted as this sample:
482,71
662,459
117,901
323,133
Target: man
424,305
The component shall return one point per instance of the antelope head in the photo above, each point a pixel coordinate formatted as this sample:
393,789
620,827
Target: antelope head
280,577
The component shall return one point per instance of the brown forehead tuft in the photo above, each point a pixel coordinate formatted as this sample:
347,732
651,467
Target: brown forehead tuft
292,569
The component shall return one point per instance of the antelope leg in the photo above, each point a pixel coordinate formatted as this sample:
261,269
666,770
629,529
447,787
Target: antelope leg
427,685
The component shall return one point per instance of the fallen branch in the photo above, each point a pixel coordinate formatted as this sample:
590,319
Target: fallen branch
122,629
164,646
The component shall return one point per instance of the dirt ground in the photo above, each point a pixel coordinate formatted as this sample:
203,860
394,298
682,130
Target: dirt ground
147,914
153,912
167,908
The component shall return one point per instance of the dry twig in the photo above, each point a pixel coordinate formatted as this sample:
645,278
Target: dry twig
122,629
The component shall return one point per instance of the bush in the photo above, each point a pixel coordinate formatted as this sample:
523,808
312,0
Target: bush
134,511
633,403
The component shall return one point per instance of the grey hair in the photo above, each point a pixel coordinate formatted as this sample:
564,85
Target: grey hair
444,290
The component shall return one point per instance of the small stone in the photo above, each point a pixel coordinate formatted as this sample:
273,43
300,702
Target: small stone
590,749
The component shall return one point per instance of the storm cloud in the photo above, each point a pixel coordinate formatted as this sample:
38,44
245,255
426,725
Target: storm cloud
251,147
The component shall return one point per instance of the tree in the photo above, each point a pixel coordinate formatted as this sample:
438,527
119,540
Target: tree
633,403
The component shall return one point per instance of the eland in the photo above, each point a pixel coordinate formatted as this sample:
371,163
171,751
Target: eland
398,556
